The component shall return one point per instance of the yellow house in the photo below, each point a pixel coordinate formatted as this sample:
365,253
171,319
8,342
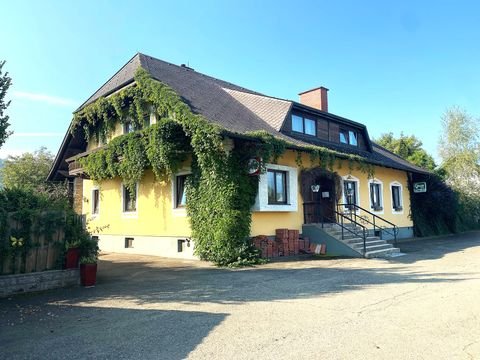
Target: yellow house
349,188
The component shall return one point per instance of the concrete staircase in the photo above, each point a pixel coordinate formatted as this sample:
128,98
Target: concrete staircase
374,245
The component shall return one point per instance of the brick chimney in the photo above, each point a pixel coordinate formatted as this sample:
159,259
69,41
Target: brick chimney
316,98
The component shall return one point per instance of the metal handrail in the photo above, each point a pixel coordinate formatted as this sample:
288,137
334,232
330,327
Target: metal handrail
339,220
375,216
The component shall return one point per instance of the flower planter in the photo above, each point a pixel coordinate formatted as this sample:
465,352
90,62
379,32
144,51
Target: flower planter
88,274
73,255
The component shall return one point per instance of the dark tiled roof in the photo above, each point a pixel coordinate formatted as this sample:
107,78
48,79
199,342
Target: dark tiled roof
236,109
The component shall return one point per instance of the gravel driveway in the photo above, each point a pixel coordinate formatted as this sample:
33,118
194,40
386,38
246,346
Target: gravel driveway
425,305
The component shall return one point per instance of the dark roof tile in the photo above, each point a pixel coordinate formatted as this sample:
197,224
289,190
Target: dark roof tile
236,109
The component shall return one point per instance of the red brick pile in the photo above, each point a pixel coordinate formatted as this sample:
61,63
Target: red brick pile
287,242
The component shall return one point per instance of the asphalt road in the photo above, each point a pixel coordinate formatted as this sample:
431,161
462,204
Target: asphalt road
425,305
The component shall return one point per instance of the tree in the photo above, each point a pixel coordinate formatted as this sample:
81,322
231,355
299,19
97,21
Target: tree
459,148
409,148
5,82
28,171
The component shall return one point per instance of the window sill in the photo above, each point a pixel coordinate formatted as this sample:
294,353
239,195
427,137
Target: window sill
129,214
302,133
180,211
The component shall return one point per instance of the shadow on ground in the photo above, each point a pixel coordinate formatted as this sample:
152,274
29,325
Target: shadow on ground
105,333
122,316
436,248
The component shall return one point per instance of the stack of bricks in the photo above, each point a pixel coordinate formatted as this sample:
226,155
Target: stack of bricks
268,247
287,242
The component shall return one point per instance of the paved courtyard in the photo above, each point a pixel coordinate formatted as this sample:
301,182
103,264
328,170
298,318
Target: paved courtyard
425,305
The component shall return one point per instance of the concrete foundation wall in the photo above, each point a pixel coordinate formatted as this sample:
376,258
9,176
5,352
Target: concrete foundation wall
403,233
38,281
148,245
334,246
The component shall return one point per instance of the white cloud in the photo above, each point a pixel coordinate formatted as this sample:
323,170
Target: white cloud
37,134
53,100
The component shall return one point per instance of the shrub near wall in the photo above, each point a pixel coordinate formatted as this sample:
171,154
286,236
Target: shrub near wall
436,211
34,228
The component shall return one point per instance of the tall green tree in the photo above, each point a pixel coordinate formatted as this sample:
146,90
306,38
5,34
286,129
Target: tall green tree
459,148
27,171
408,147
5,82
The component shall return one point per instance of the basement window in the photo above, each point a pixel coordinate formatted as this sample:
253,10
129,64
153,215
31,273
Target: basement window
128,243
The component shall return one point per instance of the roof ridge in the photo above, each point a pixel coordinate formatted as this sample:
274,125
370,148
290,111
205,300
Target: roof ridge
110,78
263,95
209,77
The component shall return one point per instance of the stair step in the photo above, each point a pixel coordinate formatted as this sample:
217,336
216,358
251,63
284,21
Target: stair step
382,253
360,240
373,247
368,243
346,234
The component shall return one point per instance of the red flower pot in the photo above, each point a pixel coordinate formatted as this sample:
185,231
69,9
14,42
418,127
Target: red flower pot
73,255
88,274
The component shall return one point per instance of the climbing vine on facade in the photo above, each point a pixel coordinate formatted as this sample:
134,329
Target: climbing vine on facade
220,193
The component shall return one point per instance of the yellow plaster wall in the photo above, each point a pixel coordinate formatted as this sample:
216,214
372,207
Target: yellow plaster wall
93,144
155,215
265,223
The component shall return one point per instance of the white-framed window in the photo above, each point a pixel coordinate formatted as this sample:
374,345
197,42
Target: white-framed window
129,200
95,201
180,194
396,189
375,188
350,195
179,198
277,189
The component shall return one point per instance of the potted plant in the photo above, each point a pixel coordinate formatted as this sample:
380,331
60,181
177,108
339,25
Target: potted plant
88,271
88,261
73,255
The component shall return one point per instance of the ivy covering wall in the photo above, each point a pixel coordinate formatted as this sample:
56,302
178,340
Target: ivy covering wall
220,193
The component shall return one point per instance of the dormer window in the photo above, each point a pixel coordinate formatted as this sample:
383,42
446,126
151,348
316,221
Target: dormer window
304,125
348,137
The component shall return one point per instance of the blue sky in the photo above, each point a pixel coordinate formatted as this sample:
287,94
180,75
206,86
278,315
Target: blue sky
394,66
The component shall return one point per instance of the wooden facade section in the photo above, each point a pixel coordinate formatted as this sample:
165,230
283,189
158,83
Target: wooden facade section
327,130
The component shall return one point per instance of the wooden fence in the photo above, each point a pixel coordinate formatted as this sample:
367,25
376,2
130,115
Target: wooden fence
34,245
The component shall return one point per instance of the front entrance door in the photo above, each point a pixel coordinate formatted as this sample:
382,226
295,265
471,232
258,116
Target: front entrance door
326,199
319,196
